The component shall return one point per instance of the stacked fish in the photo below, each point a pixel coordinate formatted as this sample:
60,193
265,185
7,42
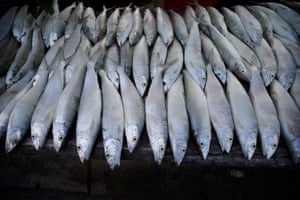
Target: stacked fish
172,74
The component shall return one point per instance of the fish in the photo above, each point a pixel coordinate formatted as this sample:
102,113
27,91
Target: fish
193,59
89,114
100,25
289,118
22,21
150,30
203,16
7,55
243,114
189,16
111,27
72,42
67,107
97,54
52,52
158,56
66,12
134,110
164,26
89,24
197,109
112,121
6,22
174,64
111,64
137,27
140,66
292,47
219,110
212,55
267,61
295,89
126,56
179,26
43,114
266,115
156,117
217,19
19,120
285,63
125,25
74,19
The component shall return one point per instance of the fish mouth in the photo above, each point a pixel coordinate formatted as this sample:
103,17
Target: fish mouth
12,140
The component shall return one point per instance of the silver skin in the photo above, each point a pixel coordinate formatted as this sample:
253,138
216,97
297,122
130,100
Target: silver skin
97,54
178,122
52,52
286,65
251,24
158,56
156,117
73,41
150,30
174,65
125,25
21,23
197,108
137,28
112,121
111,64
189,17
267,61
230,55
203,16
217,19
140,66
219,111
266,114
126,56
212,55
67,107
280,26
111,27
164,26
89,24
265,24
193,59
7,54
66,13
74,19
289,118
179,27
6,22
134,110
295,89
236,26
44,111
89,114
100,25
19,120
292,47
243,114
35,56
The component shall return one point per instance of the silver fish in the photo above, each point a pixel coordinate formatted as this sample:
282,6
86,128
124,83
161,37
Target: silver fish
179,26
140,66
21,20
112,121
219,111
243,114
111,27
137,28
97,54
100,25
158,56
72,42
126,56
164,26
150,30
134,110
217,19
189,16
66,13
111,64
89,24
52,52
6,22
7,54
89,114
203,16
74,19
295,89
197,108
178,123
292,47
124,26
268,123
289,118
156,117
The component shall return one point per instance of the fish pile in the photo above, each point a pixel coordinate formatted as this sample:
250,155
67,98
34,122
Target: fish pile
232,71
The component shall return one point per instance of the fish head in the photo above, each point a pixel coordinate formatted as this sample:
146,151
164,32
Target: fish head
112,149
225,137
267,76
269,143
243,72
249,143
295,149
203,138
221,74
287,80
142,85
53,37
201,76
14,136
59,132
132,136
114,77
159,148
150,39
179,150
83,147
38,135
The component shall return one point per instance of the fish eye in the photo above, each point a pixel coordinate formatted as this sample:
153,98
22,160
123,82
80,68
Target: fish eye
60,138
144,84
107,155
33,136
204,78
274,145
117,79
134,139
201,144
164,83
162,149
253,145
183,150
230,139
272,75
79,147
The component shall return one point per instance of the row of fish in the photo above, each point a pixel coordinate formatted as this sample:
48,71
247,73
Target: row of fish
232,72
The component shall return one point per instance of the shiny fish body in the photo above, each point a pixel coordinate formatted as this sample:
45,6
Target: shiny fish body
112,121
217,19
203,16
89,24
126,55
52,52
158,56
266,114
292,47
72,43
19,120
44,111
137,28
6,22
74,19
97,54
7,55
134,111
295,89
189,17
243,114
66,13
164,26
89,114
179,26
219,111
111,64
124,26
100,25
111,27
178,123
150,30
20,19
289,118
140,66
156,117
